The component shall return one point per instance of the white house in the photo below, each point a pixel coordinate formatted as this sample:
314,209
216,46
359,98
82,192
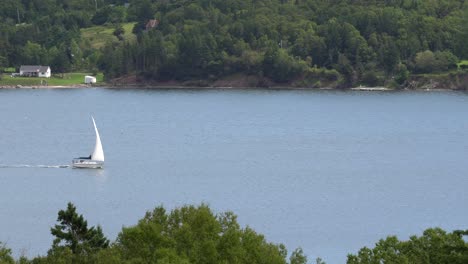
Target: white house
35,71
89,79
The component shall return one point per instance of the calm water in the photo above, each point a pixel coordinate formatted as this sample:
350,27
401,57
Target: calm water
328,171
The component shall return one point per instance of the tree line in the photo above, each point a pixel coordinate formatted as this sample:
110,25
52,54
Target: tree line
189,234
310,41
194,234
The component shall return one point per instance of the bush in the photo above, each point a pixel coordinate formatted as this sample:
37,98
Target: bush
281,67
445,60
402,74
371,79
425,61
428,61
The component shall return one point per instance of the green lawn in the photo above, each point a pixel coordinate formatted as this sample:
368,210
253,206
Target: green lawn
463,62
9,70
98,36
67,79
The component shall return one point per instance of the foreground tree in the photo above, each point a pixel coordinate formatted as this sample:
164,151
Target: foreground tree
186,235
73,233
434,246
195,235
5,255
298,257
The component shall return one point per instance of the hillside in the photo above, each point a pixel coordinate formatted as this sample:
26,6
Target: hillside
98,36
307,43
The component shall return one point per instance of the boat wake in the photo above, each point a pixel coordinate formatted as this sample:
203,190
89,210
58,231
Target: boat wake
34,166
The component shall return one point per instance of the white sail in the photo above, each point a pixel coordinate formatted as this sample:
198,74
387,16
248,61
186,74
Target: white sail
98,153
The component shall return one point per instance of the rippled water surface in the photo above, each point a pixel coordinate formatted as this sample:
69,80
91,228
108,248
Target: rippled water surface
328,171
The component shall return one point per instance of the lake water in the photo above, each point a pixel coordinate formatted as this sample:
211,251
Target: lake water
328,171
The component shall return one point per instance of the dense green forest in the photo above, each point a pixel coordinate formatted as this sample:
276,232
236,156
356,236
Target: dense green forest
194,234
306,42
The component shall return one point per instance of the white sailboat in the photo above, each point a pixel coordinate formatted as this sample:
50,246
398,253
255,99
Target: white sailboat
96,159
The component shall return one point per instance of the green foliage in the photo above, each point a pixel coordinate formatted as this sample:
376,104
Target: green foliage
401,73
427,61
185,235
72,232
59,255
445,60
298,257
109,14
5,255
434,246
463,65
277,39
370,79
282,40
194,235
119,31
97,37
66,79
3,64
319,261
280,66
33,54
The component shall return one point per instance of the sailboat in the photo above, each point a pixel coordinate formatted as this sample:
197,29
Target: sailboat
96,159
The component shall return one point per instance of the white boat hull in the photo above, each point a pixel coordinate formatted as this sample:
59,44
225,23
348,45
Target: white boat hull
88,163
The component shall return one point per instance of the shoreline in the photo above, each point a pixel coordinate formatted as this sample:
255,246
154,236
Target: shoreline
447,82
182,87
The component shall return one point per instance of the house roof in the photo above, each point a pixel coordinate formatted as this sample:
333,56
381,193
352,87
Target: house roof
33,68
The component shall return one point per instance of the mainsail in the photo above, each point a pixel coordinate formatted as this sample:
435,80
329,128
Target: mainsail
98,153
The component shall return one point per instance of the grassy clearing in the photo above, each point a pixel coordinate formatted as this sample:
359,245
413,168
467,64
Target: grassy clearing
463,63
66,79
98,36
9,70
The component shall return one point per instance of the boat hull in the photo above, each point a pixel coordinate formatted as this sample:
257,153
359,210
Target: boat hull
88,163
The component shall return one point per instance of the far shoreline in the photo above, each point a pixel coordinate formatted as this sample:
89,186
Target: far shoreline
182,87
441,82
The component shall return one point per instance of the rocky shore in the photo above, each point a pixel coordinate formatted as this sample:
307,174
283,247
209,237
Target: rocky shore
450,81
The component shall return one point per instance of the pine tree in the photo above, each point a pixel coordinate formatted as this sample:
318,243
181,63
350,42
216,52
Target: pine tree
73,232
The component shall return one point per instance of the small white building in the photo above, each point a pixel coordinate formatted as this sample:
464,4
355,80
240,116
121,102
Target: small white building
89,79
35,71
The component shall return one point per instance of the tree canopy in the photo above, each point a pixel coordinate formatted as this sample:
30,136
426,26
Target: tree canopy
189,234
434,246
73,232
194,234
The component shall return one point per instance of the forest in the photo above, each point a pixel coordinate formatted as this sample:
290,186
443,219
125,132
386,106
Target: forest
195,234
311,43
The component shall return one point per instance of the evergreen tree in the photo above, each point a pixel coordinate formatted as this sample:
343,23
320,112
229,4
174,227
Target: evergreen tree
73,232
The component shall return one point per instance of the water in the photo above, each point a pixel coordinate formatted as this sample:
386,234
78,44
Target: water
328,171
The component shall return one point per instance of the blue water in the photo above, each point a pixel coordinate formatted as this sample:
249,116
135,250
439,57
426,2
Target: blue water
328,171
